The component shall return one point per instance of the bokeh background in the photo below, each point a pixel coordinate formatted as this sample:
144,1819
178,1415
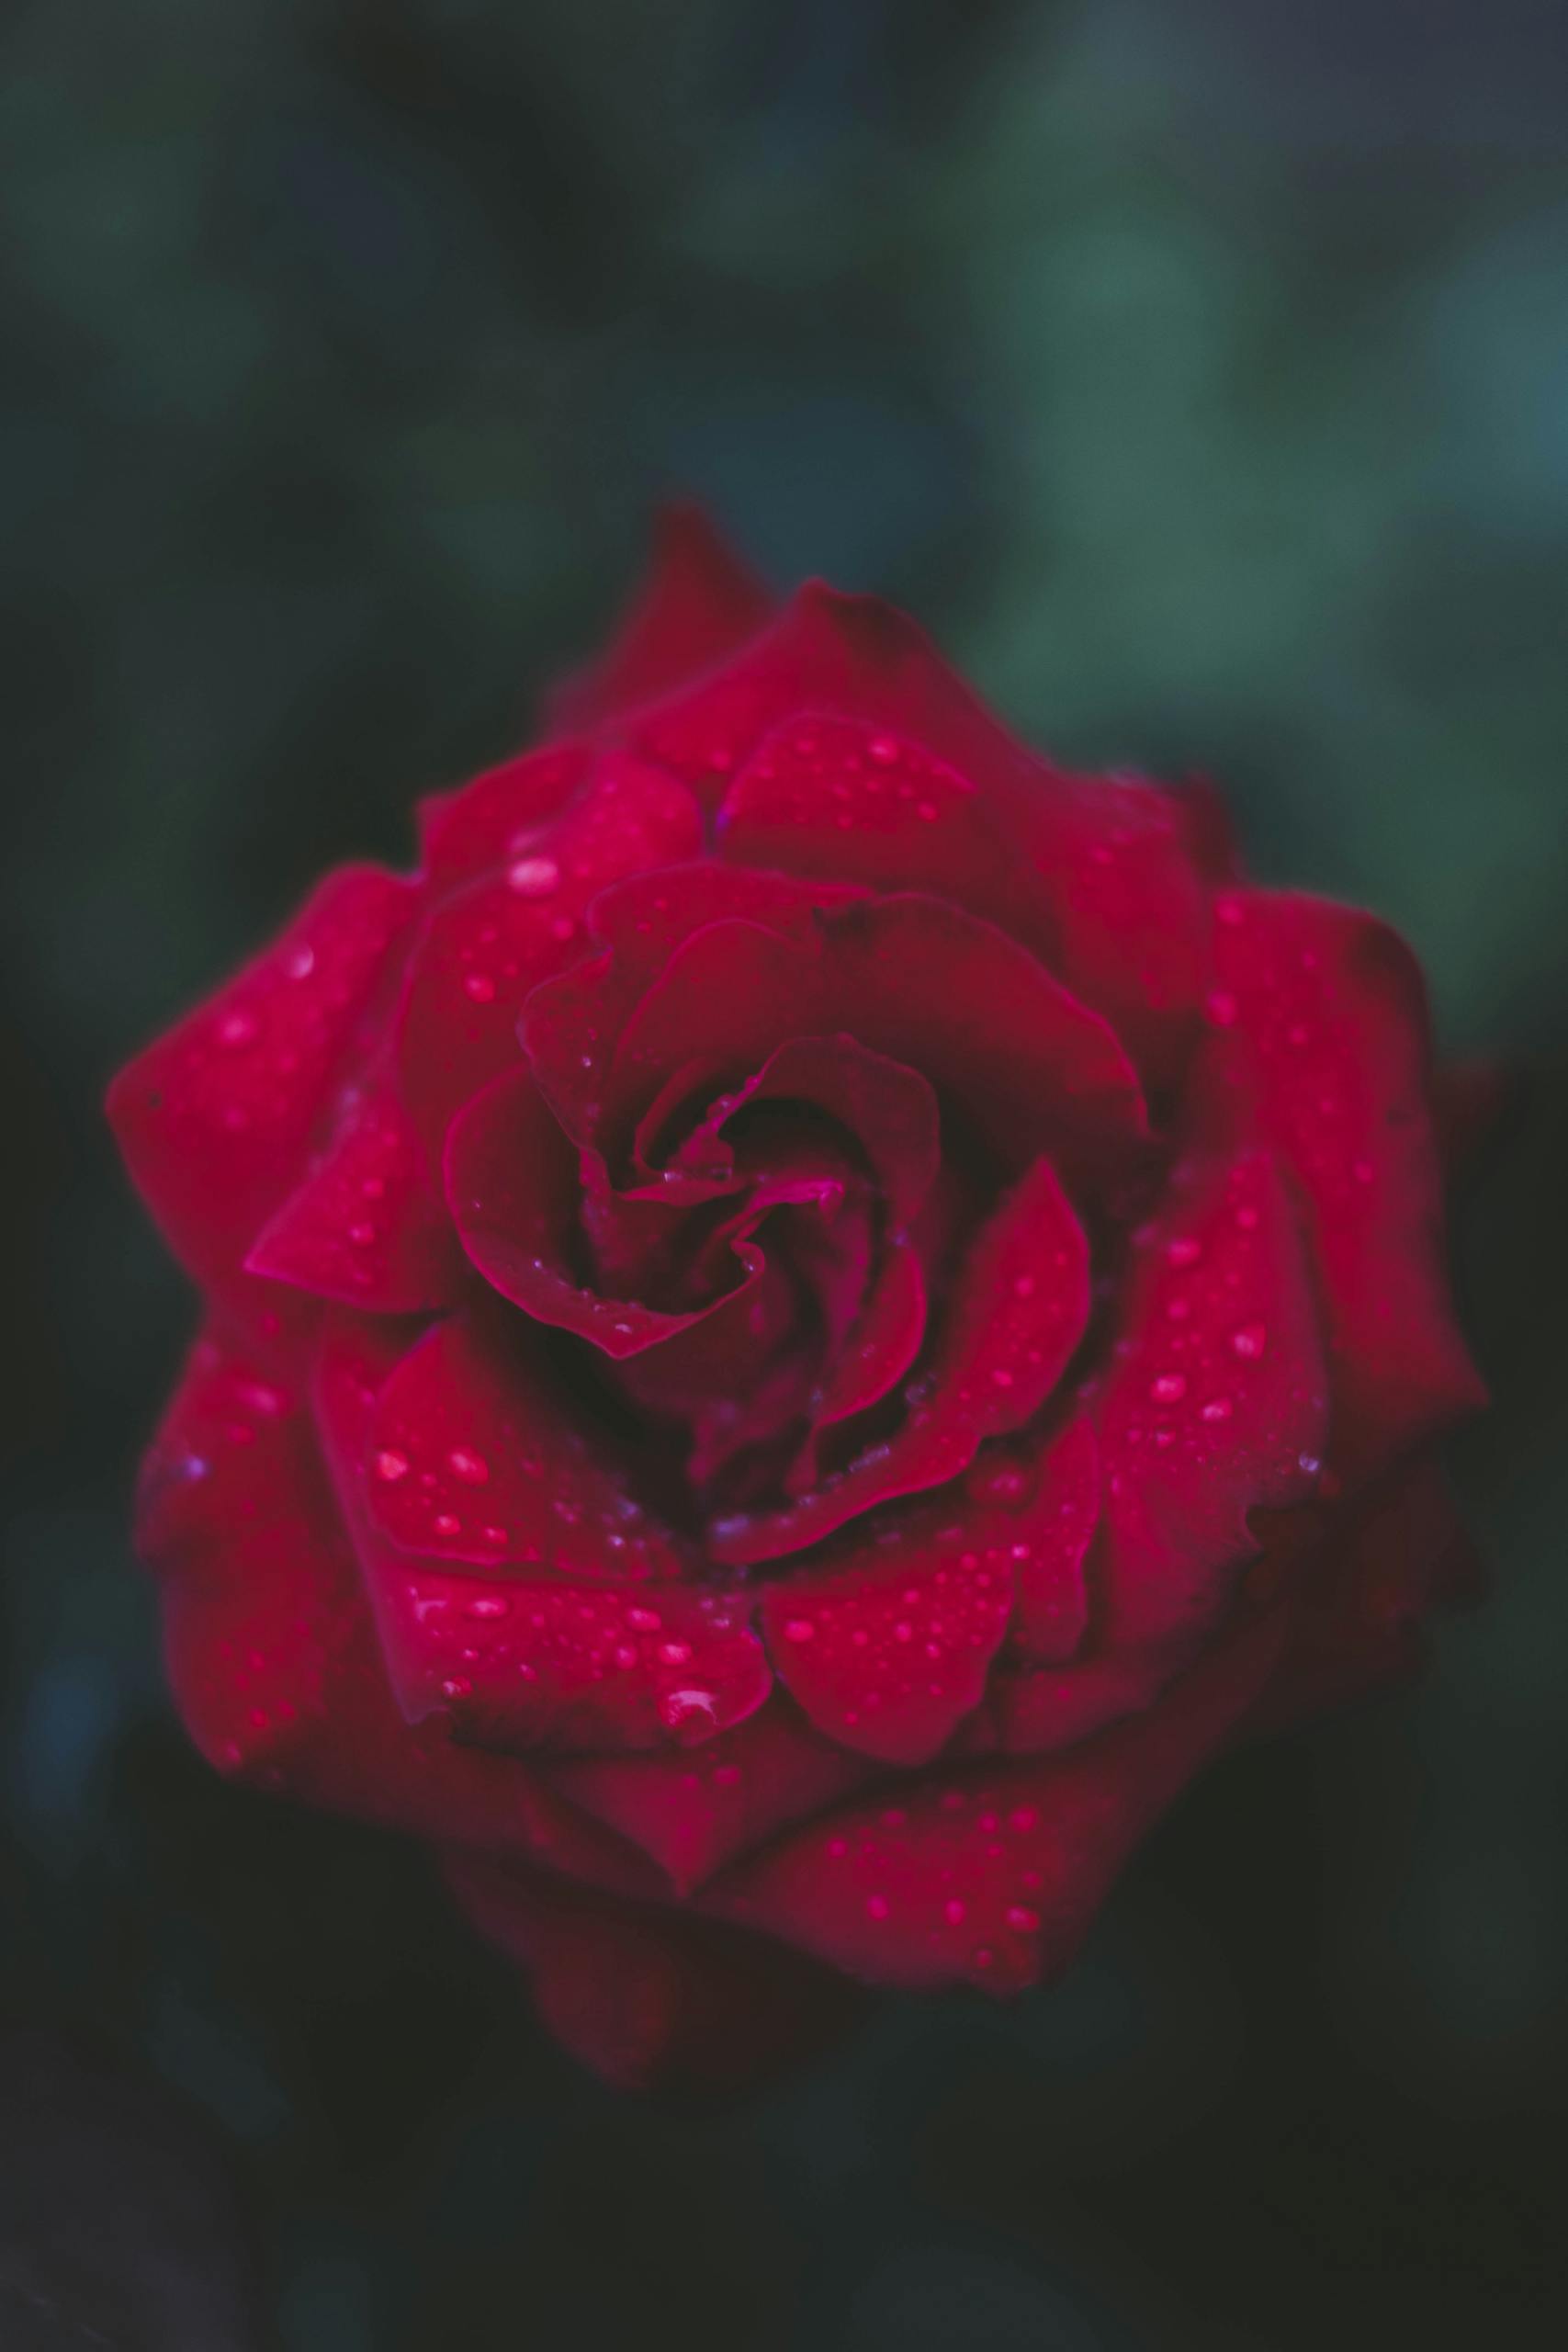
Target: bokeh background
1199,372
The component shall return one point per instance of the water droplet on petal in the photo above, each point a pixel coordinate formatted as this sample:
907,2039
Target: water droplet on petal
534,877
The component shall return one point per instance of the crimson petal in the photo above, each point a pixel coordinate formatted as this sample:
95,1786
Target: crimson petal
1321,1031
915,980
365,1226
216,1118
520,1662
694,1812
645,1996
514,1190
1055,1511
991,1875
888,1649
497,818
1115,897
1020,1304
1215,1407
471,1456
1363,1594
481,952
699,602
271,1650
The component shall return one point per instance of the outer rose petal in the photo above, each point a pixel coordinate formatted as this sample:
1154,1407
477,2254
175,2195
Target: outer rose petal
1322,1026
270,1648
992,1875
365,1226
481,952
1096,874
1216,1405
471,1455
645,1996
217,1116
1054,1518
1361,1596
848,801
499,816
521,1662
573,1669
698,603
842,657
693,1812
889,1650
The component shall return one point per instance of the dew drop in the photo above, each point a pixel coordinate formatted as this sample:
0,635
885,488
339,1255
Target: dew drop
391,1466
1249,1340
799,1629
1169,1388
534,877
472,1468
479,986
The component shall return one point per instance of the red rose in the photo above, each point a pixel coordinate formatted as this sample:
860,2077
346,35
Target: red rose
800,1325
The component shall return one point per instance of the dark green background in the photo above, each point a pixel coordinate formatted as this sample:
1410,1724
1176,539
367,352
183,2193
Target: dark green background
1199,373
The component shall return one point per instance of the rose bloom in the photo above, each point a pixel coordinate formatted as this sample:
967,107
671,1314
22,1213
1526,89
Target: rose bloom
799,1324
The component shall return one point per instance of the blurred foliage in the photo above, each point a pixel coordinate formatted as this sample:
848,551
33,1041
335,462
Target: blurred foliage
1199,372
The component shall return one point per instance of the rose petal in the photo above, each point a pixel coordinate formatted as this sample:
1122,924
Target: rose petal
1363,1592
216,1118
365,1226
886,1647
482,951
840,799
515,1191
645,1996
1019,1304
845,658
641,922
1321,1045
1102,876
885,1341
1216,1405
990,1874
473,1454
518,1662
1055,1507
699,602
271,1650
912,980
495,819
578,1669
694,1812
